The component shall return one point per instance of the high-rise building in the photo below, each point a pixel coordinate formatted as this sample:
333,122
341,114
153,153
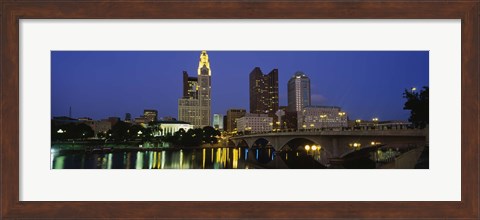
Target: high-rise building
232,116
298,92
195,106
264,92
190,86
150,115
218,121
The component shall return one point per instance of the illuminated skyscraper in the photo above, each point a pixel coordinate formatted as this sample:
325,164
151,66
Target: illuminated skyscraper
195,106
264,92
190,86
218,121
298,92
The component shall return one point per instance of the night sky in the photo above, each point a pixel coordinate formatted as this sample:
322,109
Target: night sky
99,84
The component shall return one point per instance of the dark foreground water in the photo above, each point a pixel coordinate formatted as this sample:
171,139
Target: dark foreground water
201,158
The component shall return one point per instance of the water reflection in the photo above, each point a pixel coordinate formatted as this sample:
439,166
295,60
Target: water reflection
199,158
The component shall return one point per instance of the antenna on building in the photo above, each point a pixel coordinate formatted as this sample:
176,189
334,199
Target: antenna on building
70,112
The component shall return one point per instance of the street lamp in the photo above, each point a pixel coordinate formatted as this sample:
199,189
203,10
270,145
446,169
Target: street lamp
307,148
355,145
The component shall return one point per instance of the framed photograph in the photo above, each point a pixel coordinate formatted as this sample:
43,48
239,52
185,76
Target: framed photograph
239,109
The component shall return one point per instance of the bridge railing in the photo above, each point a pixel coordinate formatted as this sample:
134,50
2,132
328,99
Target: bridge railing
323,130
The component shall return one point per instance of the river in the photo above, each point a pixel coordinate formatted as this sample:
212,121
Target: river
198,158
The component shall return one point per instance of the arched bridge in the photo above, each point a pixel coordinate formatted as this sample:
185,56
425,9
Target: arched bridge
335,143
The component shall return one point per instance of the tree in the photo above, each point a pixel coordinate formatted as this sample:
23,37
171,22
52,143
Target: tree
210,135
418,104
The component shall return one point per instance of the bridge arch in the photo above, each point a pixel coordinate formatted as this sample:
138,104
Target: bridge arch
262,142
231,143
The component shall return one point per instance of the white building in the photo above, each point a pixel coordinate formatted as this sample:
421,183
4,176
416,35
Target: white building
164,128
314,117
218,121
255,123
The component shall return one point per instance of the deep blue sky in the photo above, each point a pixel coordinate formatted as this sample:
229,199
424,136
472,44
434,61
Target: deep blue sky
99,84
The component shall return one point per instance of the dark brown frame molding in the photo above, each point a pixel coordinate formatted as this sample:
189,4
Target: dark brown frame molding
13,10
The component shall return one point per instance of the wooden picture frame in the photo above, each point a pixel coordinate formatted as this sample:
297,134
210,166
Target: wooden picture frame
12,11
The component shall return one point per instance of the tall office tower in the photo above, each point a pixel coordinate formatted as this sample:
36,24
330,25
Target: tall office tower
190,86
298,92
232,116
150,115
218,121
195,106
264,92
204,87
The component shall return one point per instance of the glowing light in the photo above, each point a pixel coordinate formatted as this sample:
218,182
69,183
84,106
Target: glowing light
314,147
307,147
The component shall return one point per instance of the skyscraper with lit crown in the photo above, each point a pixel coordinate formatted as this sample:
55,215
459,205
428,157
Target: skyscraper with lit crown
195,106
298,92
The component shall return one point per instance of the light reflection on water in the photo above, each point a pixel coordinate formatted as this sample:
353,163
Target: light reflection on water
201,158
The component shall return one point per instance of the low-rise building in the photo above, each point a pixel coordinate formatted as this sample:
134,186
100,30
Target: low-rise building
315,117
232,116
255,123
164,128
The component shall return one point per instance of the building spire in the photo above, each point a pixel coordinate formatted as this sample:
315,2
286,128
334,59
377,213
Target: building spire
204,64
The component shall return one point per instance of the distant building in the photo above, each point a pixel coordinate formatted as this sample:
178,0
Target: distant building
150,115
195,105
298,92
264,92
314,117
232,116
168,118
113,120
218,121
128,117
140,120
101,126
255,123
165,128
290,120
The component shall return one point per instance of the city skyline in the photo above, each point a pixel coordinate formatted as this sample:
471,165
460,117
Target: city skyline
365,84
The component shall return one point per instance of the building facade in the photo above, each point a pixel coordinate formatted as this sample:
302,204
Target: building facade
232,116
166,128
255,123
264,92
195,105
298,92
315,117
150,115
218,121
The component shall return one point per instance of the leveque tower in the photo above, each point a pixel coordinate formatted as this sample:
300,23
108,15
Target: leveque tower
195,105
